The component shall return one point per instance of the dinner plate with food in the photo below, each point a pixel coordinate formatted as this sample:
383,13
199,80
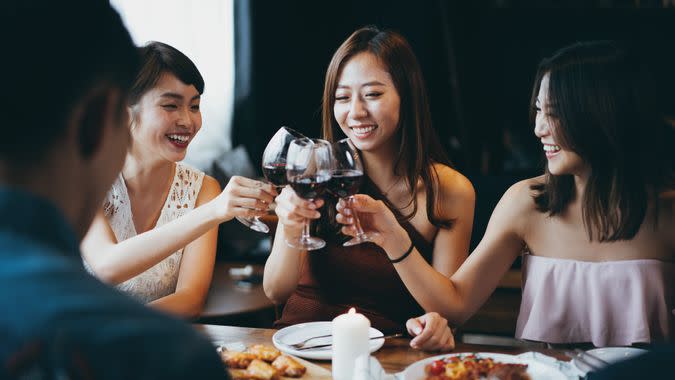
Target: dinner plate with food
265,362
480,365
315,334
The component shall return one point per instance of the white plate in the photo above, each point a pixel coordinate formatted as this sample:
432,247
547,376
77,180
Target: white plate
535,369
611,355
298,333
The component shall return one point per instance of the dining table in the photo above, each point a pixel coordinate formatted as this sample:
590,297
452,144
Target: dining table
229,297
394,356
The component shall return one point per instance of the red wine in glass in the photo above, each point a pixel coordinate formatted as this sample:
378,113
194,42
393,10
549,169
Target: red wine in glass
276,174
308,167
347,175
345,182
274,169
310,187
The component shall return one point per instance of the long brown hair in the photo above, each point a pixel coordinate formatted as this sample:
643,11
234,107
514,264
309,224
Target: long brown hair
419,147
604,111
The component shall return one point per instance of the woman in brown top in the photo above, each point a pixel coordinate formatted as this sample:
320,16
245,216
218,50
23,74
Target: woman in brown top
374,94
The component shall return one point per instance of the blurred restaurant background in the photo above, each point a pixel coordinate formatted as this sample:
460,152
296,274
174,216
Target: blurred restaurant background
264,64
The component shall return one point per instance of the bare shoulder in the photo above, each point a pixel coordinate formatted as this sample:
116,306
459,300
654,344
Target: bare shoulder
517,204
453,184
456,196
210,189
522,192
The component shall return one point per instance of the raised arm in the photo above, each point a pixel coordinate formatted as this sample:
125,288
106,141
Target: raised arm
283,266
115,262
196,266
456,203
458,297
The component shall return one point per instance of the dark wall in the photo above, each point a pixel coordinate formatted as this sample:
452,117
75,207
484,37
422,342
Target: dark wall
478,62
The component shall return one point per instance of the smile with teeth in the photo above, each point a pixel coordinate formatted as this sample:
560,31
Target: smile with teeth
551,148
360,131
179,138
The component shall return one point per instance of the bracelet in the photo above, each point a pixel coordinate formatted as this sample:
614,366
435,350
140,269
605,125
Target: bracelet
406,254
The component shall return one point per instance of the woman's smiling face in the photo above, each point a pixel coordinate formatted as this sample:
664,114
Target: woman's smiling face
560,160
168,118
367,104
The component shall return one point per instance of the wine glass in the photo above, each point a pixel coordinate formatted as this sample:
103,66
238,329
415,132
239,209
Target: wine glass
274,169
308,166
346,178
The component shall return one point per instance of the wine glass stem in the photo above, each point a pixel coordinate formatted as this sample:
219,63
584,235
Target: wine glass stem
305,229
357,222
257,218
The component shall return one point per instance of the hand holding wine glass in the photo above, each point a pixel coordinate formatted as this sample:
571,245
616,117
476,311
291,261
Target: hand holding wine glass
308,167
381,224
274,169
243,197
346,178
293,211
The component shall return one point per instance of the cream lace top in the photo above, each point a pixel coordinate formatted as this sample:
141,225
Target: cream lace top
161,279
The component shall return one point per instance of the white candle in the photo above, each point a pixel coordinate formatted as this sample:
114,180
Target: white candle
350,340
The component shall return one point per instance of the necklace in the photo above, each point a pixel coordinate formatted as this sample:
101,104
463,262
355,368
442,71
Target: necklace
386,192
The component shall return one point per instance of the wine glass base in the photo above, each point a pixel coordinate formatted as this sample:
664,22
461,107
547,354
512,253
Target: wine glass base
309,243
255,224
363,238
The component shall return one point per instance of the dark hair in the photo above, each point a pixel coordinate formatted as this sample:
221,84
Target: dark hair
419,147
56,54
603,109
158,58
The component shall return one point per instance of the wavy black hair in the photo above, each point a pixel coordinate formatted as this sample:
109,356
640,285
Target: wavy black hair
604,109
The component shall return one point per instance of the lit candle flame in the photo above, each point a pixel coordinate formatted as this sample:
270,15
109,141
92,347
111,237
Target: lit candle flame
352,311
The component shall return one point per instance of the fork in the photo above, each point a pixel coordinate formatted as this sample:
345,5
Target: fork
304,342
397,335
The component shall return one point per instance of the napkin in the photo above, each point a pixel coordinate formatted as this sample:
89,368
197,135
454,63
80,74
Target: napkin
567,368
369,368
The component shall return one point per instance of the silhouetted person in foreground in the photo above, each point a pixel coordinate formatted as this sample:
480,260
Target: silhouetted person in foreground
67,67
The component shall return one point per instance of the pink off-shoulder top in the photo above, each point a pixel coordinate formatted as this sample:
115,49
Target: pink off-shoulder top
616,303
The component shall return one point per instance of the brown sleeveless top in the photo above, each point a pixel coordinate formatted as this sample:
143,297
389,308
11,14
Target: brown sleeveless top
337,278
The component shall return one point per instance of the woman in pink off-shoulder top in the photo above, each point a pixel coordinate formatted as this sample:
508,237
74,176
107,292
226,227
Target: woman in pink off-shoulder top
595,231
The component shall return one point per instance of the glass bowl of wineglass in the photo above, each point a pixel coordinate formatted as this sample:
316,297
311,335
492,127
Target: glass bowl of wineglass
346,177
308,167
274,169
